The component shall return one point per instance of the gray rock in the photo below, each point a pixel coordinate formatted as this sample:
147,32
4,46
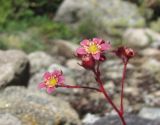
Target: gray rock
152,65
14,68
110,87
150,52
131,90
156,44
39,60
130,120
140,37
32,107
8,119
150,113
35,80
65,70
64,48
73,64
111,13
114,68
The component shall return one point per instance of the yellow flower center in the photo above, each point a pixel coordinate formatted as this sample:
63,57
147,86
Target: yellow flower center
52,82
93,49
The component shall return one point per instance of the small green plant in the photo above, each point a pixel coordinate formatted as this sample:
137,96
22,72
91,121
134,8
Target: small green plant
22,40
52,29
3,45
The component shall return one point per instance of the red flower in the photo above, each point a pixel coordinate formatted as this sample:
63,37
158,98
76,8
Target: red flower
51,80
94,48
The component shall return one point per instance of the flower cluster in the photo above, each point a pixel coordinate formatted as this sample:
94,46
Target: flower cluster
92,51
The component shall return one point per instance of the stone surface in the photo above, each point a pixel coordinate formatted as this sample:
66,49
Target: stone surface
151,65
140,37
39,60
130,120
114,68
73,64
66,71
90,119
35,108
150,113
8,119
14,68
64,48
156,44
111,15
35,80
150,52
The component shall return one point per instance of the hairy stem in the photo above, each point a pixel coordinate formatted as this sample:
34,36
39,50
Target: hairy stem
97,75
122,88
84,87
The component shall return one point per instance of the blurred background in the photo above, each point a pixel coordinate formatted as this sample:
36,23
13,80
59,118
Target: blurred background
41,35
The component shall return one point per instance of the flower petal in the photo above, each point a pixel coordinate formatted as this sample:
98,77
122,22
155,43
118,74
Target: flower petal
105,46
84,42
81,51
41,85
97,40
47,75
50,90
96,56
61,79
56,73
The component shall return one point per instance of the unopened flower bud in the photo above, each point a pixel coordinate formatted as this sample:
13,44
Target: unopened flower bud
88,62
124,53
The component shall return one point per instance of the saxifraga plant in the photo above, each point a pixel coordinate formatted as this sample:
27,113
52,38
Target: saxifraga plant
92,55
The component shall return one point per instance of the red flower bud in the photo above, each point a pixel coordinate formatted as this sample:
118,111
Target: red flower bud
88,62
102,58
124,53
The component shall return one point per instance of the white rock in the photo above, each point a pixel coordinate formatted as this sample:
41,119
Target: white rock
14,67
140,37
90,119
150,113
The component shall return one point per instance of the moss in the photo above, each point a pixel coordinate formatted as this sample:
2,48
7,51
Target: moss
21,40
32,35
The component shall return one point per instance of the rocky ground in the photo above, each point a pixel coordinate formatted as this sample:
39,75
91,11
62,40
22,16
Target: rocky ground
22,103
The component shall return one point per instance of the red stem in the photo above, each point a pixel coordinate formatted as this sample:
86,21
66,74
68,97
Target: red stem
97,74
122,87
85,87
